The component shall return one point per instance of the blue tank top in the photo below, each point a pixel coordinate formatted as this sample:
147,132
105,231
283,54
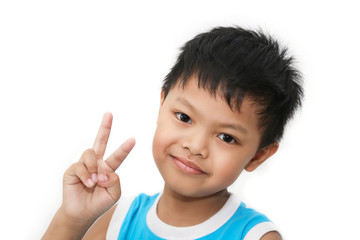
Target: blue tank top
233,221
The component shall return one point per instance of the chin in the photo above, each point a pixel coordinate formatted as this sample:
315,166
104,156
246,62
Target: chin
188,190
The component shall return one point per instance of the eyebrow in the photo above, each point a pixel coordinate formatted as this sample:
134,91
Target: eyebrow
234,126
222,125
186,103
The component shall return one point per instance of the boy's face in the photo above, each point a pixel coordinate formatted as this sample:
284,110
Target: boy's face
200,145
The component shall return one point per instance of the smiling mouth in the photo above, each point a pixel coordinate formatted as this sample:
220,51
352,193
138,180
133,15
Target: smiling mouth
187,166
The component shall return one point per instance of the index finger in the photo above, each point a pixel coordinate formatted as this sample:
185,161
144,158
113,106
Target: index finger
102,136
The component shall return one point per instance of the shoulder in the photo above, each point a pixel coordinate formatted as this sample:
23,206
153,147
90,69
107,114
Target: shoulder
273,235
256,225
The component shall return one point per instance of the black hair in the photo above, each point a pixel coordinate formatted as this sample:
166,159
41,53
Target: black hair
237,63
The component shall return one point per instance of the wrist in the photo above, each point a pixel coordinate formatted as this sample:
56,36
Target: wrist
64,226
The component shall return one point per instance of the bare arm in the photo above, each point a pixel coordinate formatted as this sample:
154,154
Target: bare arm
99,229
61,227
271,236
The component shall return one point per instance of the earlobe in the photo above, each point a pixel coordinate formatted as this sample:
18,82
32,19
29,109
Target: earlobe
261,156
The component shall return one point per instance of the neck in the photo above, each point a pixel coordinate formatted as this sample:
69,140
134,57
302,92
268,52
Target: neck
182,211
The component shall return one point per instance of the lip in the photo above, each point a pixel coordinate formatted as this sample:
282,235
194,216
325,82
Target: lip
187,166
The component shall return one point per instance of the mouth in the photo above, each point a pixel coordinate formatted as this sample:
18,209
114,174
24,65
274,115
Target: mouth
187,166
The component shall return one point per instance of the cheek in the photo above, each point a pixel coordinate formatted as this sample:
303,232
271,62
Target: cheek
162,140
229,167
229,172
156,147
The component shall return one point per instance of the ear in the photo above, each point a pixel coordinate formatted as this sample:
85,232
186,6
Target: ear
161,103
261,156
162,97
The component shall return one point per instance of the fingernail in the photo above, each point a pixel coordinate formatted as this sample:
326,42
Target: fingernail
102,178
94,177
90,182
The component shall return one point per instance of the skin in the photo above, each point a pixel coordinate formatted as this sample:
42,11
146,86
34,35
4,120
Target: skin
90,187
201,131
200,148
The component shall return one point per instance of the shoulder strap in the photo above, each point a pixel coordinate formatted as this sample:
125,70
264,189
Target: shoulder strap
118,217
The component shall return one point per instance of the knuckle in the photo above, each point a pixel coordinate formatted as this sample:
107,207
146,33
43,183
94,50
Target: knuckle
74,169
115,177
89,160
102,140
88,157
78,167
120,155
89,153
74,166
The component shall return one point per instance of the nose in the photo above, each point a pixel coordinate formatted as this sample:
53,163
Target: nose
196,141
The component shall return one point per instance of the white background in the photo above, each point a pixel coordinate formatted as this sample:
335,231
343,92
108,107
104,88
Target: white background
64,63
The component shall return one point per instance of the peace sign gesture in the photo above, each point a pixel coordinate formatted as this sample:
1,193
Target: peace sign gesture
91,186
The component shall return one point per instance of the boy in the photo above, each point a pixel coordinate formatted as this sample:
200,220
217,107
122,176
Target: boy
224,106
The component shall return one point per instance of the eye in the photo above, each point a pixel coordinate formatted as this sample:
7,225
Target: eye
226,138
183,117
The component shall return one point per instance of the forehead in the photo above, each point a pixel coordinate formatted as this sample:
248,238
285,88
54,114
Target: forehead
217,87
212,106
192,87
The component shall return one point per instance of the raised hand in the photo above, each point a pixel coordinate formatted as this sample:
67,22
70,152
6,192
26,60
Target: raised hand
91,186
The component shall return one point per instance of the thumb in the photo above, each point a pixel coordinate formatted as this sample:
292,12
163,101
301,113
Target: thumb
111,182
